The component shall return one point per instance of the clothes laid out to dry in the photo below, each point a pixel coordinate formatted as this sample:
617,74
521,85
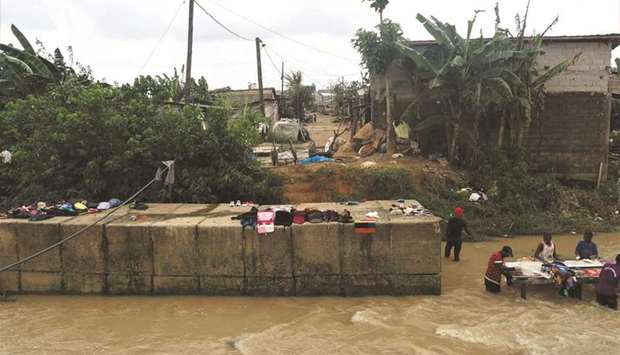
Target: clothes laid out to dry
264,221
41,210
365,227
412,209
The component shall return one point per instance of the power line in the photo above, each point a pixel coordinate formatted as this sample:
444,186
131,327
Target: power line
271,60
221,24
176,13
280,34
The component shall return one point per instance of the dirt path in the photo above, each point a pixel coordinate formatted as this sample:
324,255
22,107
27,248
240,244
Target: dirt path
323,129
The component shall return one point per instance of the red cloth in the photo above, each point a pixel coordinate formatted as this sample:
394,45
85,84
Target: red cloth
493,272
458,212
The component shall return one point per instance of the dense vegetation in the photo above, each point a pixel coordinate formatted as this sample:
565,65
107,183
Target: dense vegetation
76,138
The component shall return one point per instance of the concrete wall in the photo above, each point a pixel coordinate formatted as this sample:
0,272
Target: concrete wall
572,138
198,249
590,73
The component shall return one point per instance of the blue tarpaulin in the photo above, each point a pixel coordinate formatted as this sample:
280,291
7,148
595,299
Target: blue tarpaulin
316,159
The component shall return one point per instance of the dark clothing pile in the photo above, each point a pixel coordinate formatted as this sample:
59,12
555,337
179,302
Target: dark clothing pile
41,211
263,221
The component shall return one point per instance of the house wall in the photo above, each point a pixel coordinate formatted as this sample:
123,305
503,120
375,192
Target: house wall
590,73
573,138
271,111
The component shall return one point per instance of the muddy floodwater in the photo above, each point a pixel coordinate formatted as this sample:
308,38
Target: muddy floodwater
463,320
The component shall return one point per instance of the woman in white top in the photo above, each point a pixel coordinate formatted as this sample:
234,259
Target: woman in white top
546,249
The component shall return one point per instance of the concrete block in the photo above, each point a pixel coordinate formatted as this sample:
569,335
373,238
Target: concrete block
130,257
269,286
174,246
401,246
129,284
222,285
83,283
84,254
8,243
194,209
318,285
268,255
220,250
175,285
9,281
269,263
41,282
316,249
156,209
32,237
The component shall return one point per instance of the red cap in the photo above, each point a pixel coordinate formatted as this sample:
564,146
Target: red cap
458,212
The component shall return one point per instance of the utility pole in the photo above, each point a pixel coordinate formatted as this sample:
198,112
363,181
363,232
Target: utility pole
188,65
282,79
260,76
281,103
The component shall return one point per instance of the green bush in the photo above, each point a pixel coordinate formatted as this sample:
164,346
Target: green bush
102,141
505,176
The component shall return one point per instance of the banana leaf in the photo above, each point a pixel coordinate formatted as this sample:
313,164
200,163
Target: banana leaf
17,64
555,70
22,40
437,33
418,58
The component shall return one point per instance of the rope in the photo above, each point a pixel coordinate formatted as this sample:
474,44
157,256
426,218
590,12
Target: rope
74,235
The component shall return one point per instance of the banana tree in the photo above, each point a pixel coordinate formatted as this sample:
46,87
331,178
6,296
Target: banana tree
467,76
476,77
24,71
298,93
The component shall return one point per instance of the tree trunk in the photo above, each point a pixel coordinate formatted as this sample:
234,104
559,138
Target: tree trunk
390,140
453,141
500,133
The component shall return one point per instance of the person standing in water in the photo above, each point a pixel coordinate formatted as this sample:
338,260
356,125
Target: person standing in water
545,251
495,270
586,249
607,285
454,232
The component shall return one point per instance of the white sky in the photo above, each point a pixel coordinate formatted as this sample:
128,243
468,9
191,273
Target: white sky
115,37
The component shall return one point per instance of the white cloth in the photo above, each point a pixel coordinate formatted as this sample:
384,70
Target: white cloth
548,252
6,156
474,197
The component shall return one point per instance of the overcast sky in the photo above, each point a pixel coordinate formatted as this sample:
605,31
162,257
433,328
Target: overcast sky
115,37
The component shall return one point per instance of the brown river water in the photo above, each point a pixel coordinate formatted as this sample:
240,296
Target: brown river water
463,320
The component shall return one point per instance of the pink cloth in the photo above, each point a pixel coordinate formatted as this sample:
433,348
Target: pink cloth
265,222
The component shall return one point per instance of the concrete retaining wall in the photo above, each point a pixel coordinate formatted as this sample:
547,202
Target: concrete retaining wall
198,249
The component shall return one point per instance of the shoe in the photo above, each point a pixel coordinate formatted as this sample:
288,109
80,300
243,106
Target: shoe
457,260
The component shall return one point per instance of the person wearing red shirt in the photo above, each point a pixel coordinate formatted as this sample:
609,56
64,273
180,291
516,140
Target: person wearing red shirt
495,269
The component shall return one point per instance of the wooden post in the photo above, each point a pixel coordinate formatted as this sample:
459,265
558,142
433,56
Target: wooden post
281,104
260,76
188,65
